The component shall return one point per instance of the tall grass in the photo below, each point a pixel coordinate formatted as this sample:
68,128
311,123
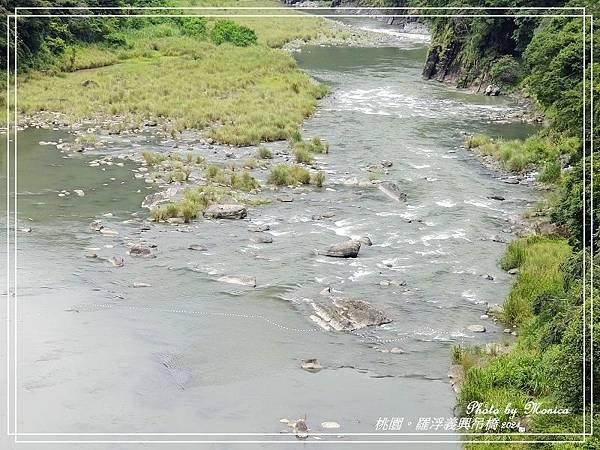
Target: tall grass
240,95
539,261
517,155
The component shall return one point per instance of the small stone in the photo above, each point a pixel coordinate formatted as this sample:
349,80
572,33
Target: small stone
366,240
484,317
507,330
386,163
108,232
285,198
91,255
117,261
488,277
262,238
496,197
175,220
197,247
26,230
311,365
476,328
330,425
513,271
259,228
79,192
301,429
396,350
141,285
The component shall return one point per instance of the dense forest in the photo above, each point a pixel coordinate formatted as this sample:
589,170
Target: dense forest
540,59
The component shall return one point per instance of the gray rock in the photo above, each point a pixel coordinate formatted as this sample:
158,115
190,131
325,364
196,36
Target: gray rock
487,276
176,220
262,238
96,225
286,198
117,261
140,251
197,247
346,249
225,212
513,271
242,280
366,240
494,310
311,365
476,328
141,285
492,90
156,198
496,197
386,163
259,228
392,191
301,429
348,315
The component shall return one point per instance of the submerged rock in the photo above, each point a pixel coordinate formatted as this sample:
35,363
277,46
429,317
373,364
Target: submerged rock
347,315
197,247
117,261
311,365
392,191
242,280
285,198
346,249
140,250
226,212
262,238
141,285
259,228
476,328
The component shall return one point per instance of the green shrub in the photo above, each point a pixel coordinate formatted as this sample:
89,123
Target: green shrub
477,140
282,175
244,182
302,154
153,158
279,175
264,153
228,31
295,137
318,179
319,146
192,26
506,71
550,173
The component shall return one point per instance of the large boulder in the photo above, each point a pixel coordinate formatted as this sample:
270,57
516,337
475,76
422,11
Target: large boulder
392,191
346,249
225,212
347,315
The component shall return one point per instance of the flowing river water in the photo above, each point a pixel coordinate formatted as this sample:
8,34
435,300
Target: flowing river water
193,355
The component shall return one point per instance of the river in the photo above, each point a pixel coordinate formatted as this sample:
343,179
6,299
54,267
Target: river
193,355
